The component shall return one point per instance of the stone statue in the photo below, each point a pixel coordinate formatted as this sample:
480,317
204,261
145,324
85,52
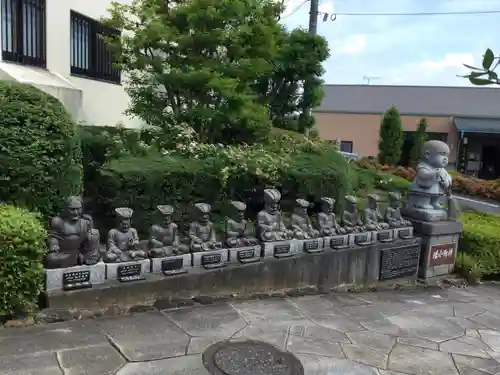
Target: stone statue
72,238
301,222
123,242
431,183
164,237
393,212
373,219
238,230
351,219
326,222
269,220
202,231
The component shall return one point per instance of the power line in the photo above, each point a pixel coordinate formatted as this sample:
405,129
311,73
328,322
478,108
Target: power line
421,13
295,9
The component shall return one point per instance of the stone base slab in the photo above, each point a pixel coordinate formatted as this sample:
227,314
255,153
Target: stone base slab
211,259
113,269
337,242
95,274
361,239
281,249
247,254
403,233
172,265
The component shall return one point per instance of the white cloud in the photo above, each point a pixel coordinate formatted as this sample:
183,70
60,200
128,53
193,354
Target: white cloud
353,44
449,60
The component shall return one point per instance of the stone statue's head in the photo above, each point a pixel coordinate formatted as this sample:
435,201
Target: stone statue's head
394,200
351,203
203,211
436,153
301,206
238,210
327,204
124,215
166,211
74,208
372,201
272,198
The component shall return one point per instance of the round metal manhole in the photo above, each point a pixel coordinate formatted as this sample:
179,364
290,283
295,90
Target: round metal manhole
250,358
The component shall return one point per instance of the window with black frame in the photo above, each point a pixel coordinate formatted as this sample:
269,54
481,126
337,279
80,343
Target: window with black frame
346,146
24,32
90,56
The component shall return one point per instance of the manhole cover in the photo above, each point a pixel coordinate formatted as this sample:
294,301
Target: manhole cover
250,358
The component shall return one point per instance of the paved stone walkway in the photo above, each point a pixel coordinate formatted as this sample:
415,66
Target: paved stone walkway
441,332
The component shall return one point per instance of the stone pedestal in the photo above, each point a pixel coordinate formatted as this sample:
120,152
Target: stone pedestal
128,271
337,242
384,235
247,254
313,245
281,249
211,259
361,239
404,232
439,246
73,278
172,265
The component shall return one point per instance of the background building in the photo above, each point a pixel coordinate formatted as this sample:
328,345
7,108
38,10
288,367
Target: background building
55,45
467,118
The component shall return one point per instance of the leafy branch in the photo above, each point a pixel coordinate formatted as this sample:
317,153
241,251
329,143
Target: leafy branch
485,75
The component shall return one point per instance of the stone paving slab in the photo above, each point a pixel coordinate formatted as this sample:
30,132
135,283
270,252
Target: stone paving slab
421,332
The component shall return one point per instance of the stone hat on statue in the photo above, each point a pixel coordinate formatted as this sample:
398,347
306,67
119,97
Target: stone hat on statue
271,196
204,208
373,197
330,202
302,203
393,196
165,209
351,199
239,206
124,212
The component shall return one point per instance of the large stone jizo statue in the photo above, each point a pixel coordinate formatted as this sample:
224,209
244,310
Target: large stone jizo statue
201,231
431,184
269,220
72,238
238,230
164,237
123,242
301,222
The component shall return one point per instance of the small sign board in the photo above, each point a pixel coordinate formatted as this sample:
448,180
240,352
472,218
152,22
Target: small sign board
442,254
130,272
173,266
74,280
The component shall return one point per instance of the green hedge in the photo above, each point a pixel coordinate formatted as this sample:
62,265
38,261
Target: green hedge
22,247
369,178
144,182
40,154
481,239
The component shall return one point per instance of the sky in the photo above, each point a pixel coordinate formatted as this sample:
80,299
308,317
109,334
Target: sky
402,50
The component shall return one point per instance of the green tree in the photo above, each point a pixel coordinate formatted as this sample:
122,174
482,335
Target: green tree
485,75
197,62
391,137
419,139
300,56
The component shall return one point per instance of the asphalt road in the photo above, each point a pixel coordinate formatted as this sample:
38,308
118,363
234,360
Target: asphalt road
473,203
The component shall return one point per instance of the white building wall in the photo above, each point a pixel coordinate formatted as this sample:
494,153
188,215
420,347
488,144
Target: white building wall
102,103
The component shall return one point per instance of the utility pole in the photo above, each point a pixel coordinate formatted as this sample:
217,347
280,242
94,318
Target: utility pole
313,28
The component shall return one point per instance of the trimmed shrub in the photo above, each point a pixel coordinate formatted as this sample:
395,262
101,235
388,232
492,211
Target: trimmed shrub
22,247
39,150
144,182
481,239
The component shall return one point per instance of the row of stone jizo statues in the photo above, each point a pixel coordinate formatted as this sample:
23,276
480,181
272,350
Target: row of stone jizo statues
73,240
